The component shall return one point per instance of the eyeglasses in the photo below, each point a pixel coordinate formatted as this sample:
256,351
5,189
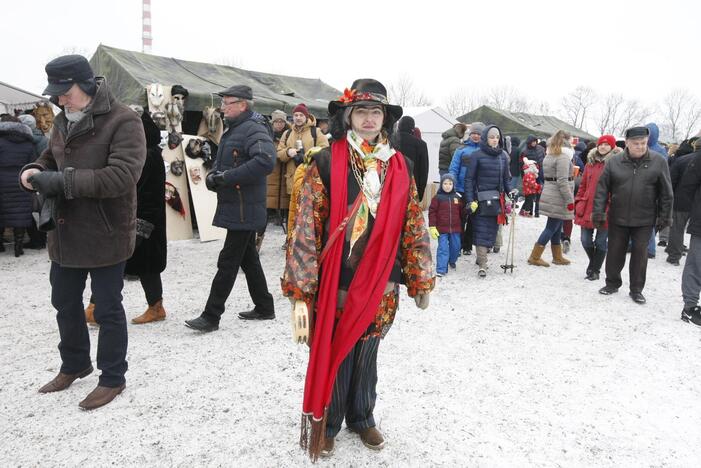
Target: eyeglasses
224,103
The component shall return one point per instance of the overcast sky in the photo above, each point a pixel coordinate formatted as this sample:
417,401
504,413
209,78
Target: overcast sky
641,49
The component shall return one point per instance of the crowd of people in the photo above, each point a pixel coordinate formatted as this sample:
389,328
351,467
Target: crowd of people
350,188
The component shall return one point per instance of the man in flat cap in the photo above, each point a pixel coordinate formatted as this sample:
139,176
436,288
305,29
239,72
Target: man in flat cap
245,157
89,170
636,187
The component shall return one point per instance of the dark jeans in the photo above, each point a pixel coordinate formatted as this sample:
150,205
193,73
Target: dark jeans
591,240
537,203
675,247
552,232
239,251
354,393
67,286
618,238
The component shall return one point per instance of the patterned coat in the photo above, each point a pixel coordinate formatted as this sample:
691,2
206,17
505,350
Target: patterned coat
414,265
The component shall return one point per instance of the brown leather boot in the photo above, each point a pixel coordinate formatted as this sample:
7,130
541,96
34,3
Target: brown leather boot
536,254
328,449
90,314
558,259
63,381
371,437
154,313
100,396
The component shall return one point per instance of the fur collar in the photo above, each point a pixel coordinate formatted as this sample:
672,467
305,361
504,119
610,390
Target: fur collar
592,156
16,128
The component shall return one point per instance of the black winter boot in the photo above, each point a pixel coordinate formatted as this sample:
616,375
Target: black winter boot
597,262
590,253
19,240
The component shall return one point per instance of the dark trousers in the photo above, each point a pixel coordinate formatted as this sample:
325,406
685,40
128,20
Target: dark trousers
354,392
36,237
675,247
239,251
537,203
67,286
153,287
618,238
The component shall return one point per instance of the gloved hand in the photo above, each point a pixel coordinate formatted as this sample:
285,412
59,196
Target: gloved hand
214,180
598,219
661,224
300,322
570,207
48,183
513,194
473,206
421,301
434,232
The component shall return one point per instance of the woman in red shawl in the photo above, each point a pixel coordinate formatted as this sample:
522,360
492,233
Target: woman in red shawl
359,216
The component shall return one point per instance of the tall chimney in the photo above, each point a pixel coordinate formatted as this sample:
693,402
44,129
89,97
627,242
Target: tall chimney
146,27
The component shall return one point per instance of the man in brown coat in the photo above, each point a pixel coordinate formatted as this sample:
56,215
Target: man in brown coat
95,155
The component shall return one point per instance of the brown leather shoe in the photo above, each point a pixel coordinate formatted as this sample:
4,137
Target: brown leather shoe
371,437
100,396
90,314
329,448
154,313
63,381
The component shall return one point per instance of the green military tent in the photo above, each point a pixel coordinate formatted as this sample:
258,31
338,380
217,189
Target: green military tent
521,124
129,73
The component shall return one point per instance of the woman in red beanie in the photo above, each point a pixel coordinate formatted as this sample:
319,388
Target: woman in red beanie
594,240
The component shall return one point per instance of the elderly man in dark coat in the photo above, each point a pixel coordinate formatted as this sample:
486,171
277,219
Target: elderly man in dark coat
245,157
94,159
638,185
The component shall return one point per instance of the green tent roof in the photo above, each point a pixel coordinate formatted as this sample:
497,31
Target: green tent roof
129,73
521,124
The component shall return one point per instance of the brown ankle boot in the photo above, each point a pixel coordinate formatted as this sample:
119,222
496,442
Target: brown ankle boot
558,259
154,313
90,314
535,257
371,438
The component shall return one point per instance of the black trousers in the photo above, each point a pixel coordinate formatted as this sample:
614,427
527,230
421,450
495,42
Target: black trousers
153,287
675,246
354,391
467,233
618,239
67,286
239,251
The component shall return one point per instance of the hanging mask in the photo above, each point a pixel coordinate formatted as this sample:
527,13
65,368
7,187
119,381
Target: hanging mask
172,198
194,148
159,118
196,175
174,140
176,167
206,155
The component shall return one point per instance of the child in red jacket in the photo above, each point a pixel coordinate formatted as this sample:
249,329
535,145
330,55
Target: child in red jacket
445,219
531,188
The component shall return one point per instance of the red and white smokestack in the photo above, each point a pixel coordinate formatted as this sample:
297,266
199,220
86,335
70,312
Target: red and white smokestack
146,37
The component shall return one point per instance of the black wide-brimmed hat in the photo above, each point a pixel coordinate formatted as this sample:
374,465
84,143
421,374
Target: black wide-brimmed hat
365,92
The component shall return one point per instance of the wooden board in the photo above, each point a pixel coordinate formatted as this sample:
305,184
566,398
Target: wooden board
204,201
177,226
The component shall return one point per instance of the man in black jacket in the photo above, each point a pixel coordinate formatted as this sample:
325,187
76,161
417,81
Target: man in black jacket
689,199
681,210
636,185
245,157
414,149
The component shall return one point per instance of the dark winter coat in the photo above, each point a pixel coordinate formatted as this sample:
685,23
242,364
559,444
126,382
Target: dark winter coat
16,150
246,156
451,141
515,164
446,212
676,171
415,150
101,158
151,252
534,153
489,170
640,190
461,164
689,194
685,186
584,200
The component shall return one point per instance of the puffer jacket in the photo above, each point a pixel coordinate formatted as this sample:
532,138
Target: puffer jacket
640,190
451,141
246,156
558,190
584,201
461,164
16,150
289,139
101,158
446,211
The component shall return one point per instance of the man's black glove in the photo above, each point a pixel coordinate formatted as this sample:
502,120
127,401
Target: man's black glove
661,224
214,180
48,183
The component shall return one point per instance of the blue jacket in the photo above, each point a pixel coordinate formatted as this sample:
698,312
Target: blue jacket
653,140
461,162
246,156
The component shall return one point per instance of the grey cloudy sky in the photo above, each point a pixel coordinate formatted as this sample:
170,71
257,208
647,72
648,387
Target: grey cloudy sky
544,49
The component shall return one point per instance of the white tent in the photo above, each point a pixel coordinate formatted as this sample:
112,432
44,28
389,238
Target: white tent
12,98
432,121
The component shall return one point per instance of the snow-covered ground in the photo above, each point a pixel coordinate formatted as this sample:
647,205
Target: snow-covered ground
529,369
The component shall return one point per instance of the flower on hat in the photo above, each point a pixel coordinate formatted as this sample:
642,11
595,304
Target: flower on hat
348,95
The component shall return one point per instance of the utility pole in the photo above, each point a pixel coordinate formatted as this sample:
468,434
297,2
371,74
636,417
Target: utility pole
146,37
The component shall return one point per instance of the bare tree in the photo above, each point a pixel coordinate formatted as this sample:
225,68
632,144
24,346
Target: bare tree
403,92
632,113
577,104
680,114
461,102
507,98
607,113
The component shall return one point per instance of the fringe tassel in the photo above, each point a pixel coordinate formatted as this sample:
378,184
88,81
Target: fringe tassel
312,436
